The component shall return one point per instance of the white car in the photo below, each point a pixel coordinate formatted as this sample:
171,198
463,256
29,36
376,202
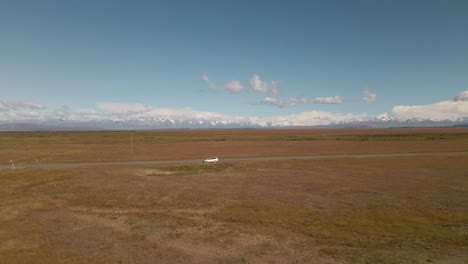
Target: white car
211,160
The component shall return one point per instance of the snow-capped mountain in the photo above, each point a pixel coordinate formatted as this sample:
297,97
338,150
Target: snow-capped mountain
383,117
380,121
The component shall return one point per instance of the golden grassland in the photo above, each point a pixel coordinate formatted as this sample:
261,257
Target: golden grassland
360,210
49,147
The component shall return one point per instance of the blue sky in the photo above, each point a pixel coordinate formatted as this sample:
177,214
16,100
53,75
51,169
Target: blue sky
318,55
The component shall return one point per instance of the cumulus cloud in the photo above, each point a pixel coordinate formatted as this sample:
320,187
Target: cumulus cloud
312,118
445,110
369,97
290,102
463,96
234,86
32,114
258,85
128,114
261,86
17,105
328,100
143,112
294,101
148,115
122,107
20,110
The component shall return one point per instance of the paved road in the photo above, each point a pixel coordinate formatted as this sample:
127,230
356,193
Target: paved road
185,161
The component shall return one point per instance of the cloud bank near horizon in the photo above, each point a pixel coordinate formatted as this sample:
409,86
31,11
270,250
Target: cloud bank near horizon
445,110
22,111
125,112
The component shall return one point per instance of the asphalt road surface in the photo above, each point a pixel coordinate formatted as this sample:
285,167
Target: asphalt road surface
185,161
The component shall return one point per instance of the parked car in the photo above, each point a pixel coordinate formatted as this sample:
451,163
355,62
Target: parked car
211,160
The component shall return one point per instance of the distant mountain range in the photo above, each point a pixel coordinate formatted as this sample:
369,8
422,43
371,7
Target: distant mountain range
378,123
381,121
43,127
461,125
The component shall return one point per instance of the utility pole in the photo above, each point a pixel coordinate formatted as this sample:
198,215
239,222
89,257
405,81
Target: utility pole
371,147
131,145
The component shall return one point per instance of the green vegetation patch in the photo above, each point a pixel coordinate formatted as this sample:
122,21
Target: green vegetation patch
199,168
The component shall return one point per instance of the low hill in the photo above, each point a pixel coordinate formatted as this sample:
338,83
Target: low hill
10,127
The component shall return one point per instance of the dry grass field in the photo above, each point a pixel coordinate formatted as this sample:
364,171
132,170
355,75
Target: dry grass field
47,147
355,210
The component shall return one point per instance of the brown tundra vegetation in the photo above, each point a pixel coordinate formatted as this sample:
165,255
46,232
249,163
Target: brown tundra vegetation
373,209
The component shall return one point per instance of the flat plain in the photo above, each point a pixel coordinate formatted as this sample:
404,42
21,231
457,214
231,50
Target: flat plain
344,210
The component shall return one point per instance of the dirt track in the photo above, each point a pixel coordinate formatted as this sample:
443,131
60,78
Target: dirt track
185,161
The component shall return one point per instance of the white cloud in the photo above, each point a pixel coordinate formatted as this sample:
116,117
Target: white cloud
463,96
17,105
294,101
149,115
328,100
123,107
234,86
207,80
20,110
445,110
290,102
274,90
369,97
258,85
313,118
63,111
87,111
32,115
67,114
